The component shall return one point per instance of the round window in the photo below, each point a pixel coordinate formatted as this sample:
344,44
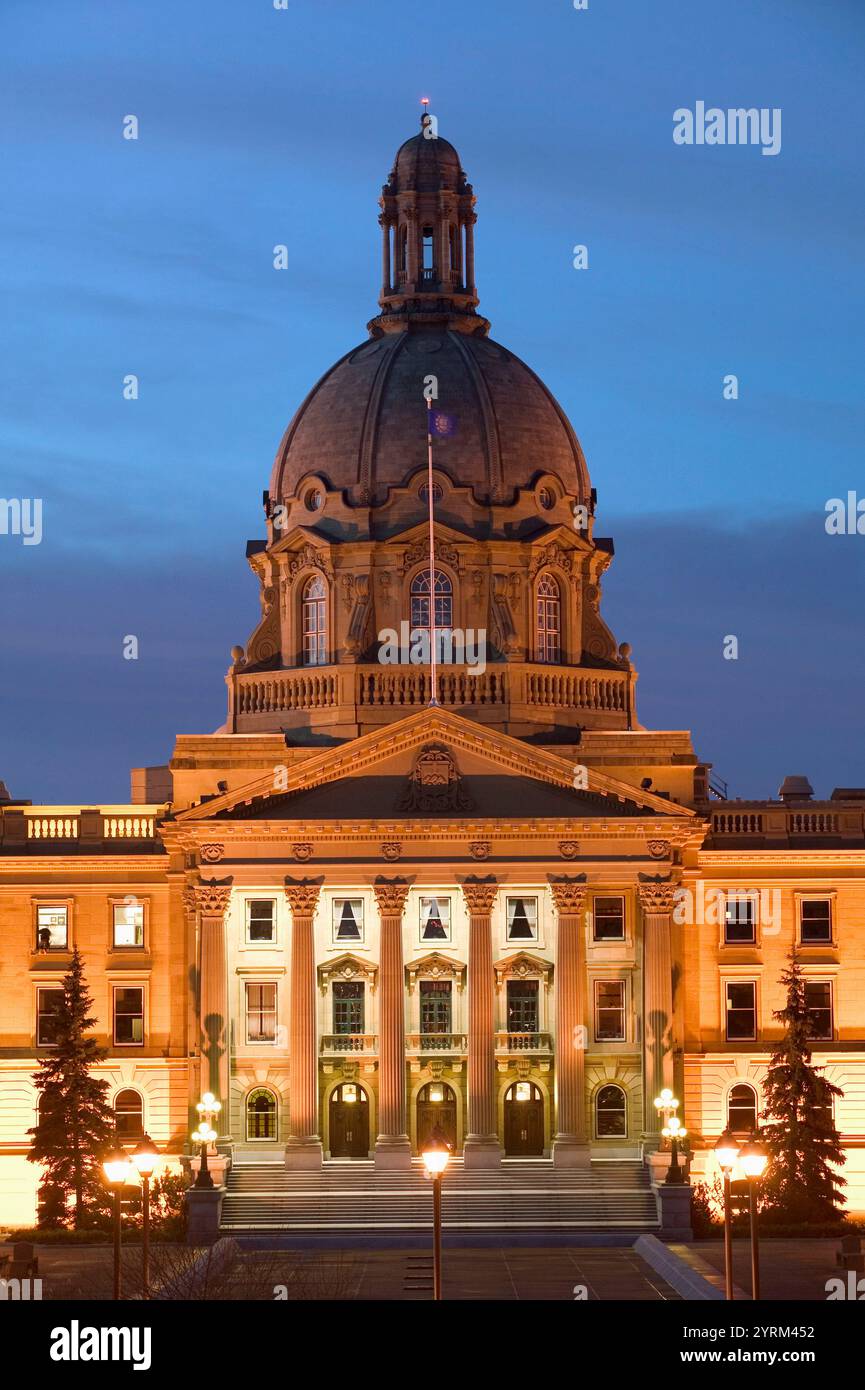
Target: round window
314,500
546,498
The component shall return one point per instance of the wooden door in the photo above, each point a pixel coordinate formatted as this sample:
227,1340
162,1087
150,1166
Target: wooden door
436,1112
524,1124
349,1124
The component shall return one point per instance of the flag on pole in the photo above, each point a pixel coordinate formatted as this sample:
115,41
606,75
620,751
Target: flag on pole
442,426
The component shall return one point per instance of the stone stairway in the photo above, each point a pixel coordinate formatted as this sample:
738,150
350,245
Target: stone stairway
524,1195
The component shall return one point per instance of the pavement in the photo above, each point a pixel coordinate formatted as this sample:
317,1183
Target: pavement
793,1270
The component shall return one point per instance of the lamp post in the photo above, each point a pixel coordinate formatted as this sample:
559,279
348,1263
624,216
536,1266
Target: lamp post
754,1158
144,1159
666,1106
435,1157
726,1152
116,1167
208,1108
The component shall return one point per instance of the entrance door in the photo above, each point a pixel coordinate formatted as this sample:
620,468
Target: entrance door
524,1121
349,1122
436,1105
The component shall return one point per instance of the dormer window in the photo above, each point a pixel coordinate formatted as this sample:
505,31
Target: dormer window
314,618
444,603
548,632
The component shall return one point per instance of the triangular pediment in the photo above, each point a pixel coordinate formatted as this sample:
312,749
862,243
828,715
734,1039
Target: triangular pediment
401,768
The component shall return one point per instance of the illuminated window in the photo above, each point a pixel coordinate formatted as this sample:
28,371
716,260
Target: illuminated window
435,1006
522,919
549,620
522,1003
260,919
444,603
128,925
314,616
52,928
261,1114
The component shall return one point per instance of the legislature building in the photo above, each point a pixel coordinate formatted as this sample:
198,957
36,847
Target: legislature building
357,911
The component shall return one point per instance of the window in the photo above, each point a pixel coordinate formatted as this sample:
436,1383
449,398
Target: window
522,919
128,1016
818,1000
609,1010
261,1114
314,618
741,1011
128,1116
815,921
609,919
260,919
52,928
128,925
435,919
348,919
444,605
435,1006
742,1109
49,1008
260,1012
522,1003
427,247
348,1007
549,620
739,919
611,1113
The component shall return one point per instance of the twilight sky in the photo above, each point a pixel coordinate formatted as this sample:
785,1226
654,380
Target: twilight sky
261,126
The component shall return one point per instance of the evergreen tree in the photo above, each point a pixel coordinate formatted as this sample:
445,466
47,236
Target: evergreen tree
800,1183
76,1125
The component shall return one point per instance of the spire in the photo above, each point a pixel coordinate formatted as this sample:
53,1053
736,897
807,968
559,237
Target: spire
427,219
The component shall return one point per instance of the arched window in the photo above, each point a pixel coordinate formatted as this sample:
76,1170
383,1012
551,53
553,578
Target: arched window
611,1113
128,1116
548,634
314,618
742,1109
444,603
261,1114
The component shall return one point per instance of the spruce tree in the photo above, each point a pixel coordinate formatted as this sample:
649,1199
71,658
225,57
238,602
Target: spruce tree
801,1183
76,1125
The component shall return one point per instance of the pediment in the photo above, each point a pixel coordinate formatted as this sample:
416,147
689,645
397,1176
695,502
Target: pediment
432,762
346,967
523,966
435,966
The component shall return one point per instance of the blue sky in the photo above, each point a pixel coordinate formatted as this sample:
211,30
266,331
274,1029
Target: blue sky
259,127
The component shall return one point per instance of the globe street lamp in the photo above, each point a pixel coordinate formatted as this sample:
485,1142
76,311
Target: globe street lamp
754,1158
144,1158
204,1135
726,1152
116,1167
435,1156
666,1106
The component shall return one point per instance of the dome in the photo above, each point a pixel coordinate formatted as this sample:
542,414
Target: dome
363,427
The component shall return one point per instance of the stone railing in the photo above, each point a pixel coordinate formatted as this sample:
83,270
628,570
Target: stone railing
524,1042
85,826
436,1042
779,824
357,695
349,1042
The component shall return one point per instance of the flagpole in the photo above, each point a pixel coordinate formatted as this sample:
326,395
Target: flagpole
432,599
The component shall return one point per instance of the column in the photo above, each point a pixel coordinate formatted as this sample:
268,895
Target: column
392,1145
471,219
412,271
385,254
303,1149
482,1148
210,898
657,899
571,1144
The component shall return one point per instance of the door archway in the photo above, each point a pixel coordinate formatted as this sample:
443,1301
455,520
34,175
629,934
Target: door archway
348,1121
524,1120
436,1106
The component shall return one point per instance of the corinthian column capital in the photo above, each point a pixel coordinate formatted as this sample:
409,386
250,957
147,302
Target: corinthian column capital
302,894
210,897
568,893
390,895
657,895
480,894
